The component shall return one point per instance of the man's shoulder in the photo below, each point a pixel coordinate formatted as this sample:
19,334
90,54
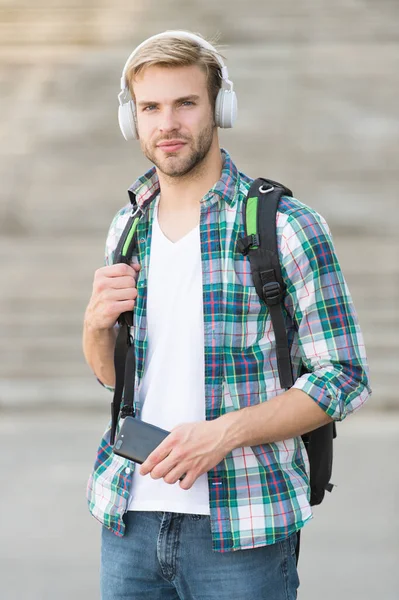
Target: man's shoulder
122,214
115,231
120,219
300,218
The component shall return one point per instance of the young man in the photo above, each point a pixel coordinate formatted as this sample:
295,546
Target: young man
206,365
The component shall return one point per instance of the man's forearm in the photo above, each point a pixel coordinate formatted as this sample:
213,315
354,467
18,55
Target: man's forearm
98,348
286,416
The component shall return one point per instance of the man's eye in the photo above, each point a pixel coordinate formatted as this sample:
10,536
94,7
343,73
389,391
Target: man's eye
149,108
187,103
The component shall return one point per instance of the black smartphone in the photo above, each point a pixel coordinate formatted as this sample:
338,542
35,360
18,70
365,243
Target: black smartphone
137,439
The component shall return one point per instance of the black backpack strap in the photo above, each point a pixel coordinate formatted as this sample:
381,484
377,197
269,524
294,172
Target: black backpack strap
123,349
124,357
260,244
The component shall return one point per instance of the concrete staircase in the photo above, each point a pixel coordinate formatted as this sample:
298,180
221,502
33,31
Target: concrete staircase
318,110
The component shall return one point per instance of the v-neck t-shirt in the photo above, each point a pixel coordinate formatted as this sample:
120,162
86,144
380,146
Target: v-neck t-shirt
173,388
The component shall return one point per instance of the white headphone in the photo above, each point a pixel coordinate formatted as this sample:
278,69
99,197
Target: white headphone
226,100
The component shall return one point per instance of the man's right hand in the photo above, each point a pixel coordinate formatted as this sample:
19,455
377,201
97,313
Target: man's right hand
114,292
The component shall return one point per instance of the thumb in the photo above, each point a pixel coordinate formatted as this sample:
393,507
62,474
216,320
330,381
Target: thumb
135,266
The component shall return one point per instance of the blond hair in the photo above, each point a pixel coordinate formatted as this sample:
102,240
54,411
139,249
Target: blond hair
176,52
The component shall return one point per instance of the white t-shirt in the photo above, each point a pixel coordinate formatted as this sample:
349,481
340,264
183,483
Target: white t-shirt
172,390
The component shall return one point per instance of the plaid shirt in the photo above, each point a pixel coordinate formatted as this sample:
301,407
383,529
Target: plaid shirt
258,495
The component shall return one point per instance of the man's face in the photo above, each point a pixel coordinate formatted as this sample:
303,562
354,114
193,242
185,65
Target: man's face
174,117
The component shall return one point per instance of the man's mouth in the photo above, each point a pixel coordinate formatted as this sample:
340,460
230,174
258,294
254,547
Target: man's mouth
171,145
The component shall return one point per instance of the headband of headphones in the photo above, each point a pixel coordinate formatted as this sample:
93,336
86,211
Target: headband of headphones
184,35
226,101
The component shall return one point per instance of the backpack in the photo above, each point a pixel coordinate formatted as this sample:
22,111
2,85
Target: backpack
260,245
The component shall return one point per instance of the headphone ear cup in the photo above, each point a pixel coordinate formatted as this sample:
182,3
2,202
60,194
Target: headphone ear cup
127,122
225,108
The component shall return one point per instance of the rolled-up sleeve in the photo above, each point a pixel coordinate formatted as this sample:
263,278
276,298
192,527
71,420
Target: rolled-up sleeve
330,341
107,387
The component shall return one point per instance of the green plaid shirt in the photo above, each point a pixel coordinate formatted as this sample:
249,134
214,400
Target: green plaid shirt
258,495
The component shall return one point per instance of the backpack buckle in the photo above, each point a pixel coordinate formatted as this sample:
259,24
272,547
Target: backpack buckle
127,411
245,244
272,293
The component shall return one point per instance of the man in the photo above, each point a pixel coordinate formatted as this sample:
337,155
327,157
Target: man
206,365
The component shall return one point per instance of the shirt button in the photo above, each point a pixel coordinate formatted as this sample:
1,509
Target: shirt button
128,470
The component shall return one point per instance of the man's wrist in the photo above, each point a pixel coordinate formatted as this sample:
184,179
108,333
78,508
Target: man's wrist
231,424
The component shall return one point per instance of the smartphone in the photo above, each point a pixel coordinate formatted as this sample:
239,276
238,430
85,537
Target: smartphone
137,439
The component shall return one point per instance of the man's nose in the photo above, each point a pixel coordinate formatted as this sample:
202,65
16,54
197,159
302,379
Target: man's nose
168,121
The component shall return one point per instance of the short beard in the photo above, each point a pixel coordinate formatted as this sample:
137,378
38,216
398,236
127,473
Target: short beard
191,164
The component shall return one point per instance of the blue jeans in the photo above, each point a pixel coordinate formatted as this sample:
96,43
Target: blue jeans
169,556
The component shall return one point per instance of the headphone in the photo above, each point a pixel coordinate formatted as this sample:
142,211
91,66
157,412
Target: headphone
226,100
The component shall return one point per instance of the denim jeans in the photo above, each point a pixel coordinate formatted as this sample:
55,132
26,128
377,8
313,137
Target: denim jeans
169,556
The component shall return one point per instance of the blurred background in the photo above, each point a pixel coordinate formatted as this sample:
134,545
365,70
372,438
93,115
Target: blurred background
317,85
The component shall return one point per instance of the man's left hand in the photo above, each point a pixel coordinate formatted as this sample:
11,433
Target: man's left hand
191,449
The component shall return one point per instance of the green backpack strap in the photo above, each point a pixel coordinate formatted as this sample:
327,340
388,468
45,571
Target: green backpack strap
260,245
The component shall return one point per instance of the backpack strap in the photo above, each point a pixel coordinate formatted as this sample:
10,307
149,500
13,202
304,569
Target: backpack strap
124,357
260,244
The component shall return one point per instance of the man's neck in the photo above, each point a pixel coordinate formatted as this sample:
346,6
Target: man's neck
182,193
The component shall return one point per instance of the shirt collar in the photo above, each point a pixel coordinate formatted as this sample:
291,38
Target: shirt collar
146,187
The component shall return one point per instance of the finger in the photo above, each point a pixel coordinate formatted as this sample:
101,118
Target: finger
176,474
188,480
119,295
117,270
156,456
164,467
125,306
135,266
123,282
